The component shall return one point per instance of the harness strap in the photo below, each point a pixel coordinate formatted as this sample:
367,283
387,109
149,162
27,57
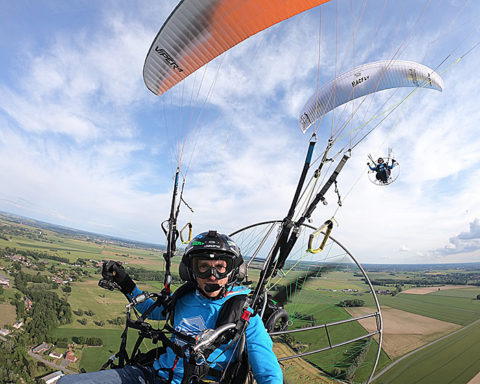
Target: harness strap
157,303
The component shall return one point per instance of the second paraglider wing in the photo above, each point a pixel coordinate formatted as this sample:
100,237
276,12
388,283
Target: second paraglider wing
366,79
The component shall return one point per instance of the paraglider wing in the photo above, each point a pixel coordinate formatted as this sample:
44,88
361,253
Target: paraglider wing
198,31
366,79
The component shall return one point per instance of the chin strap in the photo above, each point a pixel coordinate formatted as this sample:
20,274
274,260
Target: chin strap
213,288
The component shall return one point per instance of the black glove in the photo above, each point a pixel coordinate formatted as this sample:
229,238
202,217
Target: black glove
114,271
368,163
393,161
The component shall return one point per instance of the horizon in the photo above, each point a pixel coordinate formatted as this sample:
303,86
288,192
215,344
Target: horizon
127,241
84,144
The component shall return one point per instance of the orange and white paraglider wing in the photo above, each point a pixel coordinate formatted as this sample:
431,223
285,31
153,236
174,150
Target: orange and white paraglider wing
198,31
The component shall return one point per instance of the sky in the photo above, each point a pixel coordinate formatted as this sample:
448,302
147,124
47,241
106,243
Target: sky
84,143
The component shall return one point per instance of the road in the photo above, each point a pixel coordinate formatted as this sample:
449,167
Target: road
50,364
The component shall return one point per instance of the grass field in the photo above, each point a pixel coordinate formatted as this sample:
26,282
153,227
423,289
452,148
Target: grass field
106,305
440,305
92,358
318,299
453,360
7,314
405,331
71,248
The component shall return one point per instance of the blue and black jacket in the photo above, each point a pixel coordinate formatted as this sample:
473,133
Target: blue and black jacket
193,314
382,167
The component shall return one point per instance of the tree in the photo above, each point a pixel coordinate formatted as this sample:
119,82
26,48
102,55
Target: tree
17,266
20,309
79,339
478,297
62,343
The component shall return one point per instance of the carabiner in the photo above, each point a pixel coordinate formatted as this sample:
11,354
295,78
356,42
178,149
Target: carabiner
329,226
190,226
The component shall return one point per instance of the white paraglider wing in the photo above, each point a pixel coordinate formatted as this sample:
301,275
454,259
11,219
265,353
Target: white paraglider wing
366,79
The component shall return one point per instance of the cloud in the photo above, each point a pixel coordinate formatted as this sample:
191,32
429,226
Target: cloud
465,242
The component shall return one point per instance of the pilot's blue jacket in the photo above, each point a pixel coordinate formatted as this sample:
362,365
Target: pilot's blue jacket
193,314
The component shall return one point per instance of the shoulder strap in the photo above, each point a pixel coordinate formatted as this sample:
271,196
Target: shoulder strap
169,307
231,310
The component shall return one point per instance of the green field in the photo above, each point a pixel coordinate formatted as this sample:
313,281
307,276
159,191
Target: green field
63,245
313,301
92,358
7,314
453,360
441,305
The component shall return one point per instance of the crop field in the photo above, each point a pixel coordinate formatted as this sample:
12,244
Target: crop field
404,331
452,360
439,305
7,314
298,370
465,292
475,379
71,248
426,290
316,303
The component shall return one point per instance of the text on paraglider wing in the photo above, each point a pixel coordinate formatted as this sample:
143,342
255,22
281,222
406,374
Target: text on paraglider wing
413,76
169,59
359,81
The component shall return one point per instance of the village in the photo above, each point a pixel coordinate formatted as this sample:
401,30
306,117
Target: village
58,356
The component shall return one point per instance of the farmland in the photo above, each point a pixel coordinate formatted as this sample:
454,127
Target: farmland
453,359
8,314
453,306
414,316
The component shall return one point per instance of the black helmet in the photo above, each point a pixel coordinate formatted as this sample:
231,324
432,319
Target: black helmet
211,245
380,160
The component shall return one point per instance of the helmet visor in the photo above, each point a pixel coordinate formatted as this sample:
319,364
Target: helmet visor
205,265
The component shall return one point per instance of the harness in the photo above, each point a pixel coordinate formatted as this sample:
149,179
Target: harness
234,310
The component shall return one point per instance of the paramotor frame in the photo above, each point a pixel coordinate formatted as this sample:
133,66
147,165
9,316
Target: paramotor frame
391,175
316,322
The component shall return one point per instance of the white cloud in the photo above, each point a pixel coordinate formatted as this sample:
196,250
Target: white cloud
465,242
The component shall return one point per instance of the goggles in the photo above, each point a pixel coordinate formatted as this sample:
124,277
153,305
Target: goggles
205,265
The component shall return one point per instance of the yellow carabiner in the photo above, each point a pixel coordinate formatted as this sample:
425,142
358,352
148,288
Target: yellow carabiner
329,226
190,226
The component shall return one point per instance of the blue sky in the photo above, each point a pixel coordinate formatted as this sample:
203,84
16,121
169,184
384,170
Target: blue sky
84,144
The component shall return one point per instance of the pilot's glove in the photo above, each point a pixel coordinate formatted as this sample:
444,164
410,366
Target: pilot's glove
114,271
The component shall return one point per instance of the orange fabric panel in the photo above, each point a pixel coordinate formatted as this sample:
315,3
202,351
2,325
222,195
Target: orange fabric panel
198,31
